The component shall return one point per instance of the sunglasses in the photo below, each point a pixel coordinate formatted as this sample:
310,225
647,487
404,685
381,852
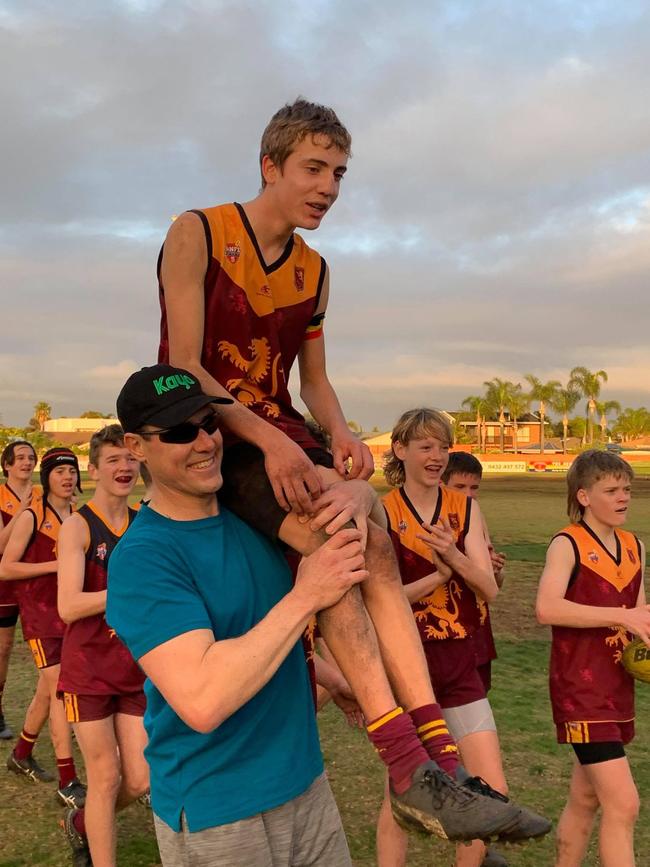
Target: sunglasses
186,432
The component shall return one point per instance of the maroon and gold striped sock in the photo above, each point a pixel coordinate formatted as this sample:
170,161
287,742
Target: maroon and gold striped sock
394,737
434,735
25,744
67,771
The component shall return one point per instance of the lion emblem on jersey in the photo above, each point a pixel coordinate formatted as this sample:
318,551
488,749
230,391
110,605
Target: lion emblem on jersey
402,526
593,557
443,606
299,278
247,389
454,521
102,550
622,637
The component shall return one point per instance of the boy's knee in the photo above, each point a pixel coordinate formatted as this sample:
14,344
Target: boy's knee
136,785
624,808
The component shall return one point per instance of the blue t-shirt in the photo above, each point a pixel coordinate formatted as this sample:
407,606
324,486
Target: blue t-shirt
170,577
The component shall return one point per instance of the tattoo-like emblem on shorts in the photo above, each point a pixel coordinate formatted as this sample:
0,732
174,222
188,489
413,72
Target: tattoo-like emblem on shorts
593,557
233,252
454,523
102,550
402,526
299,278
630,554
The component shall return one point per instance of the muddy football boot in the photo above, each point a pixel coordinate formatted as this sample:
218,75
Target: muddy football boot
462,810
78,844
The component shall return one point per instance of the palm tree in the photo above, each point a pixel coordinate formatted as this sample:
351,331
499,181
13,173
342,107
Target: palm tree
588,384
497,395
602,408
565,401
42,412
544,392
518,404
632,423
478,405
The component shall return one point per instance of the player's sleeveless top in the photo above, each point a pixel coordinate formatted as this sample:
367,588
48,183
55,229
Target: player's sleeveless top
36,597
587,681
257,316
9,505
93,660
451,610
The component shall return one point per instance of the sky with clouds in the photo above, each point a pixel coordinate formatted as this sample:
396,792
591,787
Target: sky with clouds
494,221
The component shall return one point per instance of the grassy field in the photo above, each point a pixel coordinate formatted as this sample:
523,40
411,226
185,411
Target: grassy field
523,512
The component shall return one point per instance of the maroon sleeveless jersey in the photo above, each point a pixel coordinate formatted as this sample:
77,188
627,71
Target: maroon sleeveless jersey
94,661
257,316
451,611
587,681
36,597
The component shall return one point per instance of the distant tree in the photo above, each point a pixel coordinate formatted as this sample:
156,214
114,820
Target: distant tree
478,405
543,393
93,413
578,428
497,395
42,412
588,384
602,408
632,423
354,426
518,404
565,401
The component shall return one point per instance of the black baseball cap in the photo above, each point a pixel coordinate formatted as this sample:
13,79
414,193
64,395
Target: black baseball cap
161,395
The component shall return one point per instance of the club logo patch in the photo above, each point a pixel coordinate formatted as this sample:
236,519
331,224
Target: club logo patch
454,523
402,526
630,554
47,525
299,278
593,557
233,252
265,291
102,551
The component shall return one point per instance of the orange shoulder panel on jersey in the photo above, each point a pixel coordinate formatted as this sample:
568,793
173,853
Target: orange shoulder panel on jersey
234,246
9,500
618,571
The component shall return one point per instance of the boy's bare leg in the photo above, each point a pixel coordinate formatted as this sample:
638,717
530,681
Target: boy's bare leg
373,636
481,756
577,820
619,802
60,731
391,840
39,707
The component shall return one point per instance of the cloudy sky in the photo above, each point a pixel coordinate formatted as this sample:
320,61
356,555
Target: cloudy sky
494,221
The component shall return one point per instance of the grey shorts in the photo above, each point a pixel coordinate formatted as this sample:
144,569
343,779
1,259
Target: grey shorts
304,831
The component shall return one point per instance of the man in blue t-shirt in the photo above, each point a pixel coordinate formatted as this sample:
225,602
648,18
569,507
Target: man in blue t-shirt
206,606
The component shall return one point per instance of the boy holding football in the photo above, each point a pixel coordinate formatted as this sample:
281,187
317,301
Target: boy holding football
591,593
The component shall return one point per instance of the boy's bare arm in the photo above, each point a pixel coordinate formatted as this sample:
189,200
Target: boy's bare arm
474,565
73,603
553,609
11,568
184,266
320,398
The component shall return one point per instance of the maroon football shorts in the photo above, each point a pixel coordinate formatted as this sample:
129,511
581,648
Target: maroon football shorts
46,651
453,672
594,732
90,708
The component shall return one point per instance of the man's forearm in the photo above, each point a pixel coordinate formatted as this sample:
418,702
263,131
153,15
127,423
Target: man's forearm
233,670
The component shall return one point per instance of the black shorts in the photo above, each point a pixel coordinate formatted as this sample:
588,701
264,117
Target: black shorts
8,616
600,751
247,491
